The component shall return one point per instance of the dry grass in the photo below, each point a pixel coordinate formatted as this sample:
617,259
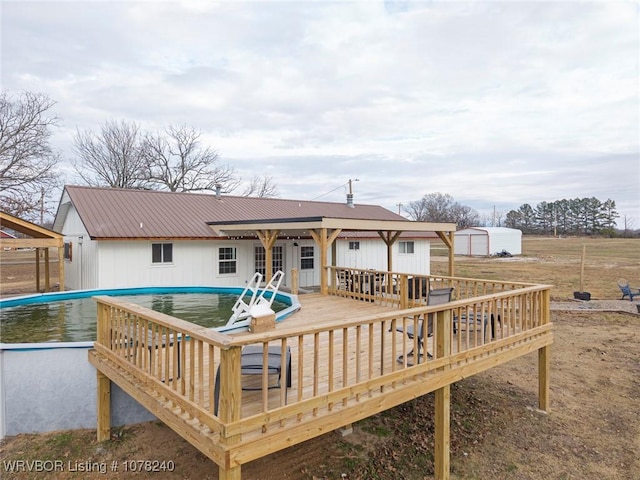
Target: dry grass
592,431
557,262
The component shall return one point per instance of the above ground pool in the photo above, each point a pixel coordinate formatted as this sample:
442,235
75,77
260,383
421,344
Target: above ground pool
71,316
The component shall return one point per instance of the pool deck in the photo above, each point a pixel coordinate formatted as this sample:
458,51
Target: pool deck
348,361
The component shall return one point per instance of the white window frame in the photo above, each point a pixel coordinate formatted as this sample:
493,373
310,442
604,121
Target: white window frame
228,261
406,247
162,253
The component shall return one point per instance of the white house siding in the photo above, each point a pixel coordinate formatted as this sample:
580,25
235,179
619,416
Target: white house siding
373,254
195,262
81,270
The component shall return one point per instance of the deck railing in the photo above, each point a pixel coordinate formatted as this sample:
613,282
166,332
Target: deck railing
405,290
340,371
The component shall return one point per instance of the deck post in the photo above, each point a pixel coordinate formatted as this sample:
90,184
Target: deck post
544,358
230,406
544,374
442,348
104,407
443,432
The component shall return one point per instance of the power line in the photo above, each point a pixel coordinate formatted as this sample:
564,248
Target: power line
331,191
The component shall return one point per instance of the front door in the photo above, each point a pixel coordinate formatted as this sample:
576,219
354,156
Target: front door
277,253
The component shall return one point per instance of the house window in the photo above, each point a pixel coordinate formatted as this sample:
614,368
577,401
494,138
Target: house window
405,247
68,251
306,258
162,253
227,259
354,245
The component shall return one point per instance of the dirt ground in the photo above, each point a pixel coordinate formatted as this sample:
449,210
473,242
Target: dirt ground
591,432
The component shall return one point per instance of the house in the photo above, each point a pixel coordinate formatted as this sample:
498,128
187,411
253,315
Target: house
485,241
122,238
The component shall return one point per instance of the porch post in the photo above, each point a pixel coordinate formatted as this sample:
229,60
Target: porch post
448,239
323,239
37,269
268,239
389,240
61,268
47,272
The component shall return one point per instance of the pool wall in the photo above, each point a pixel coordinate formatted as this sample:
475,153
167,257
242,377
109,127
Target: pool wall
46,387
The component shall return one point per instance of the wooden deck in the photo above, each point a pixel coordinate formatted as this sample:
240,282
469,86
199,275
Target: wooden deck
344,365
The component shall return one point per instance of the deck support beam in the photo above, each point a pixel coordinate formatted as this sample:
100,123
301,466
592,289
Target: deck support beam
442,344
104,406
544,382
443,432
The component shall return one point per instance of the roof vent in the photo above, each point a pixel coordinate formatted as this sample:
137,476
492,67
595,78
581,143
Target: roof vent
350,200
218,190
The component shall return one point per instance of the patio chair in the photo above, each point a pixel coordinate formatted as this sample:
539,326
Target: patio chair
473,320
437,296
627,291
251,363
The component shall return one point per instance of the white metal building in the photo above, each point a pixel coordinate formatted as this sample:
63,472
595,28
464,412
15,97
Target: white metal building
117,238
485,241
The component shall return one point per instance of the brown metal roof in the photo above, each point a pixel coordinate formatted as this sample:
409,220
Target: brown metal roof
121,213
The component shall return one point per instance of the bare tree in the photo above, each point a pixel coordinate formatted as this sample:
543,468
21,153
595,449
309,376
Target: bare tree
113,157
438,207
263,187
176,161
27,160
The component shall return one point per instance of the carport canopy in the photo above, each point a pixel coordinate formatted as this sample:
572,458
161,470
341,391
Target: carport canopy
37,237
325,230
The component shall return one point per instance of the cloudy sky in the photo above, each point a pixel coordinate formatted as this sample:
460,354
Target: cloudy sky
495,103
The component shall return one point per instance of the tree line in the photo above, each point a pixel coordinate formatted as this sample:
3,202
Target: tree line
577,216
119,155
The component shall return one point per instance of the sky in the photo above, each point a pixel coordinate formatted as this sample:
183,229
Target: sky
497,104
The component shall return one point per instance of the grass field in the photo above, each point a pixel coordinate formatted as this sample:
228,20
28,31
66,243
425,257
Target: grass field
591,432
557,261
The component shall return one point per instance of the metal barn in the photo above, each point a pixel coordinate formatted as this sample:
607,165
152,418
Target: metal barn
485,241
